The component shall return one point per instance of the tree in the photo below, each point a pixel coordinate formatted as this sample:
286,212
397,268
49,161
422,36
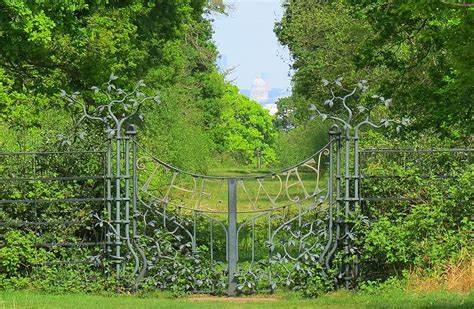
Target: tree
323,39
427,46
73,45
245,127
416,52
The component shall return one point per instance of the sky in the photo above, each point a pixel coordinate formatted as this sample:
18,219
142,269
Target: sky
247,43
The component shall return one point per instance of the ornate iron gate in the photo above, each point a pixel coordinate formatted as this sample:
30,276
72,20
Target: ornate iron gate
223,233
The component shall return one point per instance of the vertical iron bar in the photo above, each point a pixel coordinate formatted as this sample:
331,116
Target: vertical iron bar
346,206
356,188
232,241
330,195
134,188
253,240
211,235
194,231
109,194
129,134
127,190
270,249
117,202
338,197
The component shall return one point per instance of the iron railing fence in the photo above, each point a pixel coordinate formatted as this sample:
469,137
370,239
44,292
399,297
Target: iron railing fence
52,196
411,175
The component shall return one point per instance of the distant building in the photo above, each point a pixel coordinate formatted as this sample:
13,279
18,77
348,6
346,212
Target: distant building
259,91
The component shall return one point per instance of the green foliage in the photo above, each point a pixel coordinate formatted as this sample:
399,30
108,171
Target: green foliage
18,259
73,45
307,280
299,143
25,266
426,46
322,39
175,268
245,127
416,52
426,233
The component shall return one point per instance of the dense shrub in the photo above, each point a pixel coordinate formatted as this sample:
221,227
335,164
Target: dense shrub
426,231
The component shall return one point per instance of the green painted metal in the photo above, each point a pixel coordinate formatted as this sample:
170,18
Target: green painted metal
232,235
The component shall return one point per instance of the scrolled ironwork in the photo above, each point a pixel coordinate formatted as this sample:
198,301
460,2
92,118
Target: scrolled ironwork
188,207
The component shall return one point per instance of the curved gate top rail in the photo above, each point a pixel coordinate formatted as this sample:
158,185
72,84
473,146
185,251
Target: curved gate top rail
258,176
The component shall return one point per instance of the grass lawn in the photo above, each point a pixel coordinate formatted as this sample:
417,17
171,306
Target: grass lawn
387,299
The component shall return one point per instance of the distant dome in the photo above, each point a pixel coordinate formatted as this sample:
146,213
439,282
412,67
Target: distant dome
259,82
260,90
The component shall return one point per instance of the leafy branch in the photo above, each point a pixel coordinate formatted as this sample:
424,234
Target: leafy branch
121,106
360,110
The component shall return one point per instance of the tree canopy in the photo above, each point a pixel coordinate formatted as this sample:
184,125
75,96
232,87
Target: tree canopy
73,45
417,52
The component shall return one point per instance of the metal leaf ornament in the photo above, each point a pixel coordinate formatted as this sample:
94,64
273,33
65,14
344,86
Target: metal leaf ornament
343,99
121,106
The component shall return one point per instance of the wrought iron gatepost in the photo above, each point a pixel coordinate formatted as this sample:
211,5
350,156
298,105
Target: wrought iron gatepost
351,200
116,115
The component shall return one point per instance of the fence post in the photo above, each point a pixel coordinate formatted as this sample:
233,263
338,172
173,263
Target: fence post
118,201
232,235
347,204
109,197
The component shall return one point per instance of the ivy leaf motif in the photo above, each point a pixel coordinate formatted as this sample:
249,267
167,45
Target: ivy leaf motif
325,82
329,102
81,135
385,122
323,117
62,93
157,98
361,108
112,77
95,88
338,81
388,103
362,85
312,107
110,132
